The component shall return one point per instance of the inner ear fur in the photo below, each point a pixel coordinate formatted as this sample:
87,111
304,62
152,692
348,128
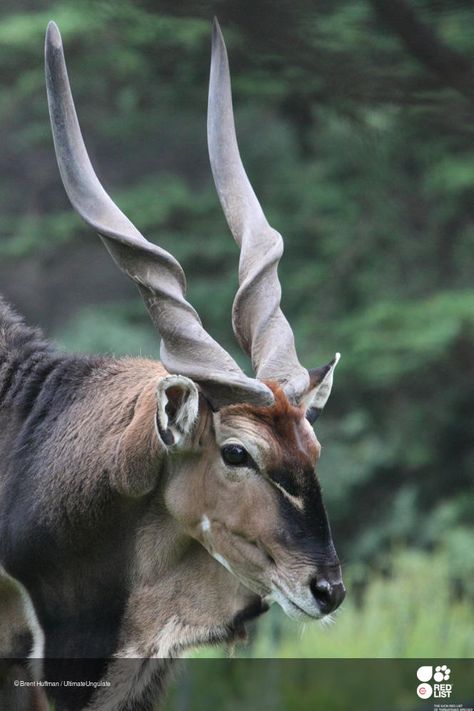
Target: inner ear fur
321,380
177,409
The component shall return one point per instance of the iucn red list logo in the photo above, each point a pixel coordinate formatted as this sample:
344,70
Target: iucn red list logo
439,689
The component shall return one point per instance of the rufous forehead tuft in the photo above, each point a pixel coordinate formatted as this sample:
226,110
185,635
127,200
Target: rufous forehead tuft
281,410
285,427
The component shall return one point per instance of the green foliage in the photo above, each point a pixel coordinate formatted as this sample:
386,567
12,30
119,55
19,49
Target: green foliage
116,329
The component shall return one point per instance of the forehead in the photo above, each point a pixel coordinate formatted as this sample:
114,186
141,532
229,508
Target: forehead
281,433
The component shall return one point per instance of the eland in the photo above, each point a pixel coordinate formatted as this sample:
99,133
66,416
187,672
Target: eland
148,507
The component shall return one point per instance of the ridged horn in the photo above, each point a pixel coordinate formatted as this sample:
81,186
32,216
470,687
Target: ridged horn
186,348
259,324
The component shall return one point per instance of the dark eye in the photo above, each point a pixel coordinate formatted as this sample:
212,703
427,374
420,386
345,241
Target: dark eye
235,455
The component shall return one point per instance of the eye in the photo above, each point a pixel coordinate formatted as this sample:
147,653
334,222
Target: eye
235,455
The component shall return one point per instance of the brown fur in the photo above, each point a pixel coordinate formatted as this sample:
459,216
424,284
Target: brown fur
130,518
285,426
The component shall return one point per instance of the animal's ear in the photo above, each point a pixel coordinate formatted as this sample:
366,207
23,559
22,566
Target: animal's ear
321,380
177,409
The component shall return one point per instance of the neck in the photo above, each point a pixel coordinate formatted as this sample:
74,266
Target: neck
181,597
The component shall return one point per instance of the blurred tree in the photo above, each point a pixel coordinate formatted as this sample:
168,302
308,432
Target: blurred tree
454,69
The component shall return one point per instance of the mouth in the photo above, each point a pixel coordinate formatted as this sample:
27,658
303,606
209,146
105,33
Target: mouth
291,608
257,555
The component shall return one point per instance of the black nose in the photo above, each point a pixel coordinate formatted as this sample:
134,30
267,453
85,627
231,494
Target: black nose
328,595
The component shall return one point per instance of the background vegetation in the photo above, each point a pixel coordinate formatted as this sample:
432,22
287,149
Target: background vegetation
356,124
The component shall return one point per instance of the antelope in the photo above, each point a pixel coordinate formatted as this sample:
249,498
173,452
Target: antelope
149,507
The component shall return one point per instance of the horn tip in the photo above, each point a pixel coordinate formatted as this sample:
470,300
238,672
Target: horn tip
53,36
217,37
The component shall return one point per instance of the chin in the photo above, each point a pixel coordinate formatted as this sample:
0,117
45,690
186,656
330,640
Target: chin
291,609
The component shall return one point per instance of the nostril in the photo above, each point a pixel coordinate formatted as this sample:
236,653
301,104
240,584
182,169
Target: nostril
321,590
328,596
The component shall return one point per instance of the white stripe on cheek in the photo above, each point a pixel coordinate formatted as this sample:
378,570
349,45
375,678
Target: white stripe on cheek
295,500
